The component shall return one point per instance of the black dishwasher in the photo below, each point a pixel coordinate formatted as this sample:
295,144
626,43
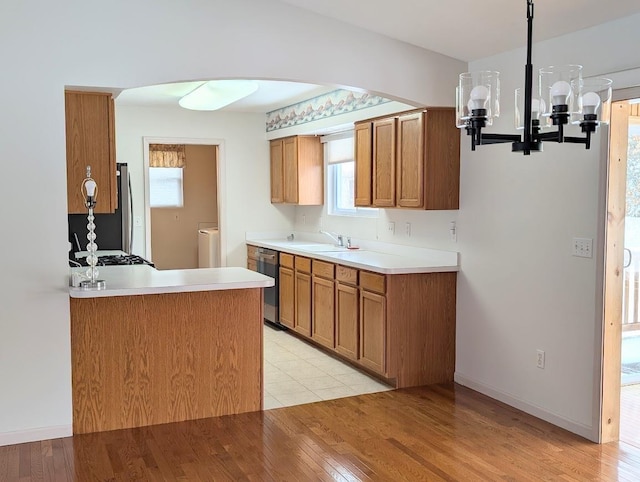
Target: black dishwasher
268,263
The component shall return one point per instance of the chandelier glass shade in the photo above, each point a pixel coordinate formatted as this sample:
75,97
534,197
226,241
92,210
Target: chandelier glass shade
559,97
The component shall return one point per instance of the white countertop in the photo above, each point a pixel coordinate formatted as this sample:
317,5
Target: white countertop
145,280
418,261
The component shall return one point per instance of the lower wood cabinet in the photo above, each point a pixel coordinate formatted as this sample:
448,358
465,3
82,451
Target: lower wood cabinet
373,331
287,297
303,303
323,312
347,309
400,327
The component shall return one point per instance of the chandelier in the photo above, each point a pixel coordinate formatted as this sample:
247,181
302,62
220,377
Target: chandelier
561,96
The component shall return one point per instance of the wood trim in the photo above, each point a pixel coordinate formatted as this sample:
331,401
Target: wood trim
152,359
614,260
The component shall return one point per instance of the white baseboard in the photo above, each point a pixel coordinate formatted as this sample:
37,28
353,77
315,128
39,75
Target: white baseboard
585,431
36,434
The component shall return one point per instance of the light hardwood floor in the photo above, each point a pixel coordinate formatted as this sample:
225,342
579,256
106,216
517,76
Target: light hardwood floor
630,415
440,432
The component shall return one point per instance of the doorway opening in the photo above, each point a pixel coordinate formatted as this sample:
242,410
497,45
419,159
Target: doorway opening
182,201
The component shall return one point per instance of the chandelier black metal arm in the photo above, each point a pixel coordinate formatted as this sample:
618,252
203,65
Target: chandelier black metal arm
531,140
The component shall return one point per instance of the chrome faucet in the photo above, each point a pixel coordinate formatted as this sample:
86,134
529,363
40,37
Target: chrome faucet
338,238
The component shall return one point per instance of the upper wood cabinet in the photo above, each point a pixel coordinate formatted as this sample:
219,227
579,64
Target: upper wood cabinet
277,178
90,133
363,138
415,160
297,174
384,163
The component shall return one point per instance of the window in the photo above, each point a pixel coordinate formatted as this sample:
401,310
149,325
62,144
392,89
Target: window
165,187
338,150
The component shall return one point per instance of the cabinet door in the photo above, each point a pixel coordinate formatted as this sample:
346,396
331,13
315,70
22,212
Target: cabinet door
287,297
303,303
442,168
373,325
384,162
323,306
90,134
277,179
363,159
347,320
410,161
290,167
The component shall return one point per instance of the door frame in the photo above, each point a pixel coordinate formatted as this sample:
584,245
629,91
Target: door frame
221,187
616,178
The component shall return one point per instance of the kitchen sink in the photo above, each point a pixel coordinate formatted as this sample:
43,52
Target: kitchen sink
319,248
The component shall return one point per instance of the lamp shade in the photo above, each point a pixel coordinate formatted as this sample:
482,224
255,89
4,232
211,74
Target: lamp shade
538,107
595,98
216,94
477,91
558,86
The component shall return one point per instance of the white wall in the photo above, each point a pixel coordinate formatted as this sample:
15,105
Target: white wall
244,197
520,289
50,45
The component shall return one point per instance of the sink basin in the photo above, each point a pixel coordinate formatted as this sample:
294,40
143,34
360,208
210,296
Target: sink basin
319,248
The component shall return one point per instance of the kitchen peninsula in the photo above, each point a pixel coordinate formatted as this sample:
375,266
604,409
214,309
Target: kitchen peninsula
165,346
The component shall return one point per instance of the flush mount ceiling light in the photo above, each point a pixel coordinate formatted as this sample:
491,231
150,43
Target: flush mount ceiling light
562,95
216,94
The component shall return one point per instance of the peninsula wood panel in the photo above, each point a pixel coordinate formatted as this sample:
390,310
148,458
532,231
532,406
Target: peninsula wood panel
151,359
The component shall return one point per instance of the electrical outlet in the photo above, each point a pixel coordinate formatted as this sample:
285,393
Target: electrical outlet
304,219
407,229
391,227
582,247
540,358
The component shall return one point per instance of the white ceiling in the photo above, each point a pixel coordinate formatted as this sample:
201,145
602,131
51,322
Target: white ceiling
463,29
270,95
470,29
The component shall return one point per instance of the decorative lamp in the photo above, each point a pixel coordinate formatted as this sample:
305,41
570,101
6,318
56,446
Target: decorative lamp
90,194
563,96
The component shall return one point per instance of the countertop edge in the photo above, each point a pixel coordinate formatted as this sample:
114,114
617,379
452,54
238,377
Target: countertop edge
158,290
419,268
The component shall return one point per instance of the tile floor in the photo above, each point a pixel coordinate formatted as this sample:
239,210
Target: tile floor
296,372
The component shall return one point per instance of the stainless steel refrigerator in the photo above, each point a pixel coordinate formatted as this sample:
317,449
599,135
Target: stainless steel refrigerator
113,231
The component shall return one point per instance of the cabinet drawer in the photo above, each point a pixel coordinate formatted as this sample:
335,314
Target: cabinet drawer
347,275
322,269
252,252
303,264
286,260
372,281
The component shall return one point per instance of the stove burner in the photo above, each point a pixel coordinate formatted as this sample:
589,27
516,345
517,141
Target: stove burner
115,260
